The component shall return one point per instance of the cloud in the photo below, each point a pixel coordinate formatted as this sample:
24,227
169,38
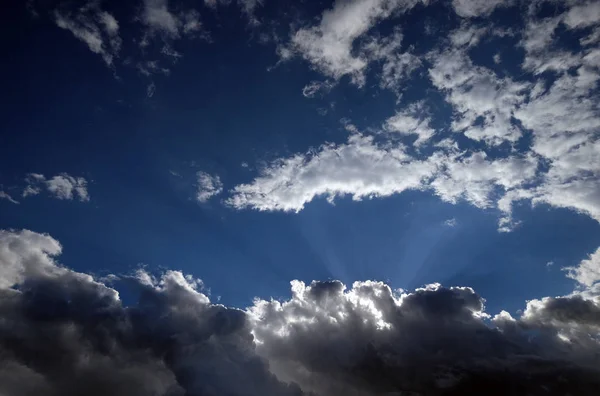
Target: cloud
583,15
370,340
451,222
411,121
63,333
157,16
315,88
478,8
359,168
363,168
588,271
98,29
208,186
483,103
61,186
5,195
328,46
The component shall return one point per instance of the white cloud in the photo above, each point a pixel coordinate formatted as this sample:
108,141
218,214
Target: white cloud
588,271
315,88
157,16
98,29
329,45
61,186
483,103
208,186
478,8
25,254
411,121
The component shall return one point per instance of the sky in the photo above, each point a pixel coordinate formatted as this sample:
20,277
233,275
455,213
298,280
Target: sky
379,179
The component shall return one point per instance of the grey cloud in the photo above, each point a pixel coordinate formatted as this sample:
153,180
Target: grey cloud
369,340
66,333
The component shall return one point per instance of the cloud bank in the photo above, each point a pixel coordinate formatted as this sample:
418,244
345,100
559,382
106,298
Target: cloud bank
68,333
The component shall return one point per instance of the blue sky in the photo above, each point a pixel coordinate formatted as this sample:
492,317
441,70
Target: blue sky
307,198
282,105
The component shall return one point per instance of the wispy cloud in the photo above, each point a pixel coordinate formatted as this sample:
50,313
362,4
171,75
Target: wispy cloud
208,186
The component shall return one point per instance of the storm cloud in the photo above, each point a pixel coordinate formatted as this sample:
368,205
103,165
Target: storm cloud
67,333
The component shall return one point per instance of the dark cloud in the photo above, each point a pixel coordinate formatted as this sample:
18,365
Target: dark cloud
65,333
62,333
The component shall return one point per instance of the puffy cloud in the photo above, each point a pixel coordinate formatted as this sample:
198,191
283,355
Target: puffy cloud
329,45
369,340
98,29
208,186
64,333
61,186
478,8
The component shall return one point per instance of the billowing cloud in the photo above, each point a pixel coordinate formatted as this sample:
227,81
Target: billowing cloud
61,186
483,103
67,333
208,186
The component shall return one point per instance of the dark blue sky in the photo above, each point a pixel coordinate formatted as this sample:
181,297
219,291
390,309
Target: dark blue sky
139,137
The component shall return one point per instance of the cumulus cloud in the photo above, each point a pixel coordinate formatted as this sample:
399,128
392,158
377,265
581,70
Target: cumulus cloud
67,333
208,186
61,186
98,29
